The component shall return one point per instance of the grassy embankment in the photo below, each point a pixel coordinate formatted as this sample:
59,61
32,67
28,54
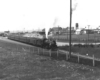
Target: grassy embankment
84,50
19,62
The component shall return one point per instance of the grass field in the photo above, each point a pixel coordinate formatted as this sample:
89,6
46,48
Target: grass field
19,62
84,50
85,38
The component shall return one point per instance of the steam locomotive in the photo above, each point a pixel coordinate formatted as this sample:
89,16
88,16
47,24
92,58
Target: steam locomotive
35,41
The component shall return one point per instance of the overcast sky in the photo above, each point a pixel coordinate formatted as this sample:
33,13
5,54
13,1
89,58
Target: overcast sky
37,14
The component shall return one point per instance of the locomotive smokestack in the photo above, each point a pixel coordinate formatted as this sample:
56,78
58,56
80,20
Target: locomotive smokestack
46,32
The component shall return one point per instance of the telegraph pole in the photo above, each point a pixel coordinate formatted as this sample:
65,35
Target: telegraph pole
70,29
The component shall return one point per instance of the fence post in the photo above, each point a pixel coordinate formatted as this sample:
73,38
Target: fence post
29,49
57,53
67,56
38,50
17,48
50,52
43,51
93,61
78,58
33,50
23,48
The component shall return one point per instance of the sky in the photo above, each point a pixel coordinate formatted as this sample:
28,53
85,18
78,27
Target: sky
26,15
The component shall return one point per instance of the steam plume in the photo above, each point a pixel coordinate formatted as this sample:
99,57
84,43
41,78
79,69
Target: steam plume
74,5
49,25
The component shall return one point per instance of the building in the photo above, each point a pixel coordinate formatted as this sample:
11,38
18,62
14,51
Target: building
55,30
97,31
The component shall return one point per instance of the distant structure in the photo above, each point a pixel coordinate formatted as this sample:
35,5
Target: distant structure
77,25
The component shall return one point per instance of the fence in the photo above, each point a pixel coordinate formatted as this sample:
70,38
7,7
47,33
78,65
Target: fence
79,57
64,55
61,54
41,51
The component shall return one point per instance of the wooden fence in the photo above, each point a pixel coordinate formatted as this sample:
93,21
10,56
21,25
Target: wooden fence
59,53
93,58
65,53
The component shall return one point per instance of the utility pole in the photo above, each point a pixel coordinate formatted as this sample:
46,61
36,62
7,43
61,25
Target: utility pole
71,10
70,29
88,34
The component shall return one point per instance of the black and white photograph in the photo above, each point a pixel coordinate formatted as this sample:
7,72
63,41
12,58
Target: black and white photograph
49,39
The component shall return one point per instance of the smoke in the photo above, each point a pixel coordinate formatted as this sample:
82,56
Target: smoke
50,24
55,21
46,31
74,5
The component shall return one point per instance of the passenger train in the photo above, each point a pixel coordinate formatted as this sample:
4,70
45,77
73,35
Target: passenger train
35,40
